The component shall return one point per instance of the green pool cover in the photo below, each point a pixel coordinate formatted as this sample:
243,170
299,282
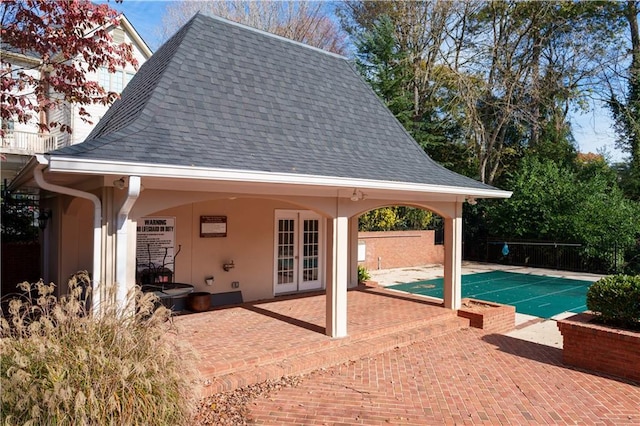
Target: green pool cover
536,295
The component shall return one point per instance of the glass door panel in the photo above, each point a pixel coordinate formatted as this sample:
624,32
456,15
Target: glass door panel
298,253
310,278
286,265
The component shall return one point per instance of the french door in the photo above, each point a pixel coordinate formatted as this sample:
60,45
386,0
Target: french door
298,251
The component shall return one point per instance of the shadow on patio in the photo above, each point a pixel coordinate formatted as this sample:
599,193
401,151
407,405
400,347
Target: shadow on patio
253,342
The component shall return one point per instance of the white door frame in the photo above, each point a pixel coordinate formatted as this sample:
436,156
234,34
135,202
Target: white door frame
295,239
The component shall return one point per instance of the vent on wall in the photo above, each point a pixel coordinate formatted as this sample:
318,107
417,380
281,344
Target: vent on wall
118,36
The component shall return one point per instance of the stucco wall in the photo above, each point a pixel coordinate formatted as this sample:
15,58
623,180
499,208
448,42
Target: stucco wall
249,243
398,249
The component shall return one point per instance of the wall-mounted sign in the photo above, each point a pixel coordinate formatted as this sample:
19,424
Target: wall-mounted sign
213,226
156,239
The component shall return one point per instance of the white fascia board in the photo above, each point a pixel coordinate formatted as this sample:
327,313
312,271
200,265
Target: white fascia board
129,28
99,167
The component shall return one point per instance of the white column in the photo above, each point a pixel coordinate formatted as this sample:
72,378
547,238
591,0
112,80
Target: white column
337,288
125,246
353,252
453,259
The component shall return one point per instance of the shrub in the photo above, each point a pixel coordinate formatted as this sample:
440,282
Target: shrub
62,365
363,274
616,299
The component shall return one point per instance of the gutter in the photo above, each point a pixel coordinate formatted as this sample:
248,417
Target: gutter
101,167
42,163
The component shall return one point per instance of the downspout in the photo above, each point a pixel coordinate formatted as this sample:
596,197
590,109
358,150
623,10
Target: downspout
43,162
122,240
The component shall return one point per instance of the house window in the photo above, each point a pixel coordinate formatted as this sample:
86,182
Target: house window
104,79
7,126
15,73
115,82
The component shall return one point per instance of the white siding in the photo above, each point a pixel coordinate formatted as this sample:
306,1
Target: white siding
81,128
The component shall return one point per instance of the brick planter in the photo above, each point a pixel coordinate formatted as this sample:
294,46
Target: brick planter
489,316
600,348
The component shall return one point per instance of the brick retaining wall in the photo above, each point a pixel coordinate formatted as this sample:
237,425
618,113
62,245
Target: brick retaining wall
488,316
599,348
400,249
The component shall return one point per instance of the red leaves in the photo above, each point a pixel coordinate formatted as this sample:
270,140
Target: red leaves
70,38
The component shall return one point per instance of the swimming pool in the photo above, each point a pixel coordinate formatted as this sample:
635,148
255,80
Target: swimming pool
537,295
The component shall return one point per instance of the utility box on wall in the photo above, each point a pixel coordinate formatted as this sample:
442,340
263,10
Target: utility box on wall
362,251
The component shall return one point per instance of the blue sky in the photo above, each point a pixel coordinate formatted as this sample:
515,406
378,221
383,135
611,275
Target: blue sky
145,16
592,130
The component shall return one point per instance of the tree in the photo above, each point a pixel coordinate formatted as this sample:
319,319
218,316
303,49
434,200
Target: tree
486,80
65,39
581,204
399,52
303,21
397,218
626,113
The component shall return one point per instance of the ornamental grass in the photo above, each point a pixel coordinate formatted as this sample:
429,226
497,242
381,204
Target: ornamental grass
63,365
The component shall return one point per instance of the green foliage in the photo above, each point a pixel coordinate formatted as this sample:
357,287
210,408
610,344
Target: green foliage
384,219
384,66
616,299
556,143
396,218
625,108
18,218
556,203
60,365
541,204
363,274
387,66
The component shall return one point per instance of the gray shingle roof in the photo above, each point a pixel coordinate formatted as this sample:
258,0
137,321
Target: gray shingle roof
222,95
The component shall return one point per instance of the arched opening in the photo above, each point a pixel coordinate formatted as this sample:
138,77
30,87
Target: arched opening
399,236
261,246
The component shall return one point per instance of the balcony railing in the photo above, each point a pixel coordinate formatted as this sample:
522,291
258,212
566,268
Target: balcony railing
27,143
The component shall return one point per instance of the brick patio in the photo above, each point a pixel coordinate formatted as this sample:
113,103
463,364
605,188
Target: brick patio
406,361
252,342
465,377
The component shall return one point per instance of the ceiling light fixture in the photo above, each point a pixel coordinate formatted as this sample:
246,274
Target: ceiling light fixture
119,183
358,195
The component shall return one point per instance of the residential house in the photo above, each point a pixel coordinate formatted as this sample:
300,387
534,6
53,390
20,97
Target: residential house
240,160
22,140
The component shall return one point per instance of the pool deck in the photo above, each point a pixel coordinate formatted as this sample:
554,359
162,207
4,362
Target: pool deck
407,360
528,328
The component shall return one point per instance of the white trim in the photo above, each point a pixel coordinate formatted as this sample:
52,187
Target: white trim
99,167
133,34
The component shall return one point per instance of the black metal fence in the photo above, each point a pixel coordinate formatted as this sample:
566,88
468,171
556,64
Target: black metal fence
605,259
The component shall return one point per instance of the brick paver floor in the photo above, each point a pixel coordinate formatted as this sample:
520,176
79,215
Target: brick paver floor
465,377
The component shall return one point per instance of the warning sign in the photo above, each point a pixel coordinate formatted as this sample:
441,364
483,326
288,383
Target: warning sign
156,240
